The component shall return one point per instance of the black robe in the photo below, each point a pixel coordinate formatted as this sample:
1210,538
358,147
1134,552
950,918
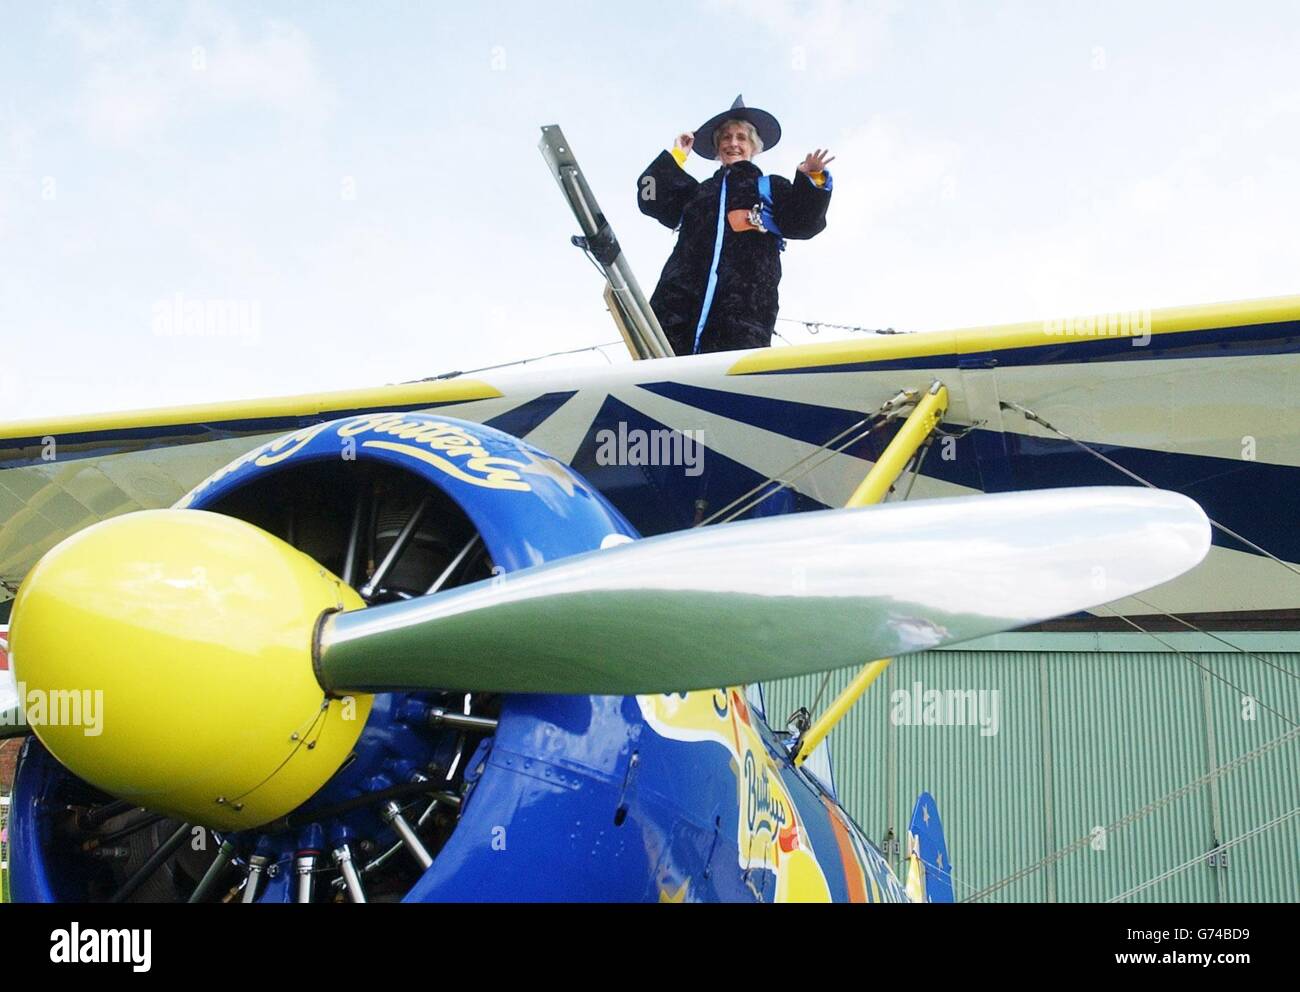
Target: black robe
744,308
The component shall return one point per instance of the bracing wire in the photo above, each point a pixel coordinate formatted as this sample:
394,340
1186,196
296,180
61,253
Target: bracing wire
1192,862
1151,807
1030,415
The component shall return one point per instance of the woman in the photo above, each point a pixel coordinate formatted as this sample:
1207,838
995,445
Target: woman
718,290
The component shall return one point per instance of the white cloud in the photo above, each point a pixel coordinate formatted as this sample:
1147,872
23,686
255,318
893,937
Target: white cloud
1275,105
16,137
141,79
834,38
911,243
895,167
964,200
276,69
113,29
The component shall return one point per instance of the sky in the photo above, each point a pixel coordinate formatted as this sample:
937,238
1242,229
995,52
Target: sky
354,191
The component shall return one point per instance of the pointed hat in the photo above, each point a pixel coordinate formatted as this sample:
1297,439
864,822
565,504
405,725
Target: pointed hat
769,131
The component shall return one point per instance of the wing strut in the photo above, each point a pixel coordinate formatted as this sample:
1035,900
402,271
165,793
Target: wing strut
916,431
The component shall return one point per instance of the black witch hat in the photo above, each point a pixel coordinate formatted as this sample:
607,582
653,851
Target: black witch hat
769,131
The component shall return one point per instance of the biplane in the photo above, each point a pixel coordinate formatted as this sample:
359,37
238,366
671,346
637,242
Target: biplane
502,637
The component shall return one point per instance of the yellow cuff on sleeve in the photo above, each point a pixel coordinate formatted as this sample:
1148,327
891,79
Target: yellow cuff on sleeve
818,178
680,155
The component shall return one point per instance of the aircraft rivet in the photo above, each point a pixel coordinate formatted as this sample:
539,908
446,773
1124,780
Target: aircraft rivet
221,800
293,736
238,807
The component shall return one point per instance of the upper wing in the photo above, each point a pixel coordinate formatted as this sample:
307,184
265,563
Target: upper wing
1194,399
60,475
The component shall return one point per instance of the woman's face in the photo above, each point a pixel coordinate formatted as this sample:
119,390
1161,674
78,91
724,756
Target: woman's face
734,144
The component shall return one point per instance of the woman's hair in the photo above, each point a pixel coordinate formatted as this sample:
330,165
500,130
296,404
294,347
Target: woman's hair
754,139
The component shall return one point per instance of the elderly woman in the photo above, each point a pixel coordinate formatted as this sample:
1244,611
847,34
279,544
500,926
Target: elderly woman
718,290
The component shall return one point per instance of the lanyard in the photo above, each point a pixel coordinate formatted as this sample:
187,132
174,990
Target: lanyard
713,269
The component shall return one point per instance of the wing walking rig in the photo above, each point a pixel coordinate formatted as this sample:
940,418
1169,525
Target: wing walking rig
463,640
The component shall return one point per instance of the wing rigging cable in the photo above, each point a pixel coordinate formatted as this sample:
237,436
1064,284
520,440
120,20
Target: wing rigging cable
1206,779
1183,790
518,361
1192,862
814,326
1209,633
1142,630
1030,415
889,410
803,717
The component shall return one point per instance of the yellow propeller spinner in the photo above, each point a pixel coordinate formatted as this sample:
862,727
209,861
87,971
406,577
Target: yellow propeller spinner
209,709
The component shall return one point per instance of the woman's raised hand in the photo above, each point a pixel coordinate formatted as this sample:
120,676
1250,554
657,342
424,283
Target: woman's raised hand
685,141
817,161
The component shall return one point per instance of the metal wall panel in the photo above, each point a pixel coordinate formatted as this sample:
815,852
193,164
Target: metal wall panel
1128,730
1265,868
1084,739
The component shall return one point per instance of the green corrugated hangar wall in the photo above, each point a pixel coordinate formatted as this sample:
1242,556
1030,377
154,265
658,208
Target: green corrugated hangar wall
1090,730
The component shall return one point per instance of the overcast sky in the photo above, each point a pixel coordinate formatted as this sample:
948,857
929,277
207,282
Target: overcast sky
361,182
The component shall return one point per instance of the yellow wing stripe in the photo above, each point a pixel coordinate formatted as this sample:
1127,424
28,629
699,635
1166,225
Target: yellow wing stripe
972,340
305,405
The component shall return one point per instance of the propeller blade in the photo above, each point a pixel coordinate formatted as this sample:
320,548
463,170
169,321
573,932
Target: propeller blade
772,598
